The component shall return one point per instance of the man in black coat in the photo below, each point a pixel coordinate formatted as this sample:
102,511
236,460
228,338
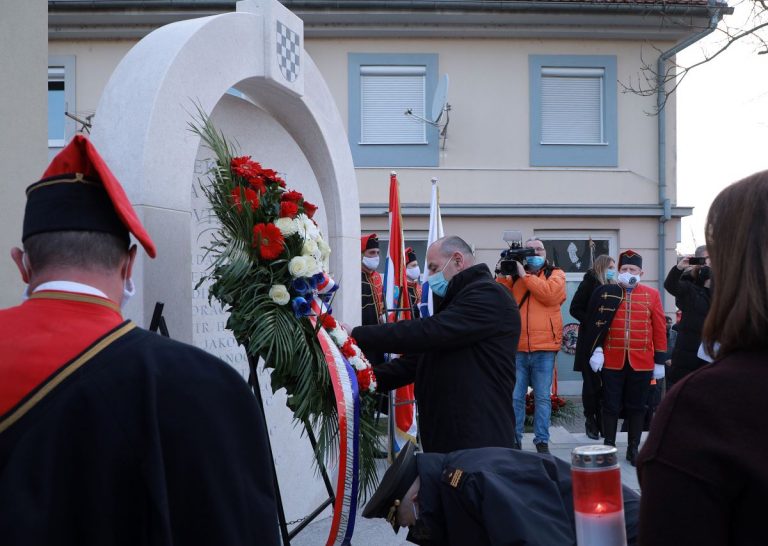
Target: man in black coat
690,285
462,359
484,496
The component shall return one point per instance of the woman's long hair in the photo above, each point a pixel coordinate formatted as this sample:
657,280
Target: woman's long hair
602,263
737,240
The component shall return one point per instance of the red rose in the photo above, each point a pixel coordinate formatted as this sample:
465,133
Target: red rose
268,239
289,209
291,196
364,379
244,167
348,349
328,322
309,209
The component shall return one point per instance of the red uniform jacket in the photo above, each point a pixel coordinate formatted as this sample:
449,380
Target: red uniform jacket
638,331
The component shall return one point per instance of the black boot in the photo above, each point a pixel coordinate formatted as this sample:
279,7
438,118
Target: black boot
593,429
610,422
633,436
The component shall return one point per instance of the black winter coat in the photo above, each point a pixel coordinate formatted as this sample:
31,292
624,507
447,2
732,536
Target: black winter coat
693,300
462,360
580,299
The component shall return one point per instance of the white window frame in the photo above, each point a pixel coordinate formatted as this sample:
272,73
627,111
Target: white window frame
597,76
62,67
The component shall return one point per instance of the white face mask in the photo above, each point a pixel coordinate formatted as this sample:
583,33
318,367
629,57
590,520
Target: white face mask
413,272
129,290
628,280
371,263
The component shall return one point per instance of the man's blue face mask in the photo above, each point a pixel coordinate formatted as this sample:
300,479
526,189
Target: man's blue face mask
437,282
535,262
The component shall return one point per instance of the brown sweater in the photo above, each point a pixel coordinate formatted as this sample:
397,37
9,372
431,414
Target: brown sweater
704,469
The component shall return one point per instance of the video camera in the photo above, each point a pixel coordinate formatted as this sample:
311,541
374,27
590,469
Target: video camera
515,253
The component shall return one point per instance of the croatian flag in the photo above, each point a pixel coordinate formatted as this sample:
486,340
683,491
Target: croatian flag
435,233
398,306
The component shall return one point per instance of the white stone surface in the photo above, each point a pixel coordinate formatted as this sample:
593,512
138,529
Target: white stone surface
290,126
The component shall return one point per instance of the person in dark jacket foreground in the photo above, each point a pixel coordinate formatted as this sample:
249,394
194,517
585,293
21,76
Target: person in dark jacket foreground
462,359
702,469
484,496
691,287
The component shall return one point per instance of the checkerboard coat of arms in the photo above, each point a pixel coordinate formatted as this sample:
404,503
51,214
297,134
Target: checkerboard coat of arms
288,52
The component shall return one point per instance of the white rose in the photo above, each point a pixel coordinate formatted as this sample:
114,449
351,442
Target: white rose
310,248
307,227
279,294
339,335
287,226
325,250
297,267
313,266
357,363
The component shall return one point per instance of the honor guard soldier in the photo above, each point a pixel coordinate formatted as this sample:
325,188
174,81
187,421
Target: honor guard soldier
110,434
629,348
413,272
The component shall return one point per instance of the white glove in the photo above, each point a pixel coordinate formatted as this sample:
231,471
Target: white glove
596,360
658,371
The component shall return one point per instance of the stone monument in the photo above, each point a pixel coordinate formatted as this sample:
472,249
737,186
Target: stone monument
249,72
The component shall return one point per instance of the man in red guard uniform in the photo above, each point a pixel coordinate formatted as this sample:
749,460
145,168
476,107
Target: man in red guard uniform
110,434
633,349
372,296
413,272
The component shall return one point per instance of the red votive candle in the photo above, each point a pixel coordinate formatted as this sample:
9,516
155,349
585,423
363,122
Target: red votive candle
597,498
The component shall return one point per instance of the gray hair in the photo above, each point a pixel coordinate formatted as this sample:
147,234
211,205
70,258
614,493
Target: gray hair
88,250
452,243
700,250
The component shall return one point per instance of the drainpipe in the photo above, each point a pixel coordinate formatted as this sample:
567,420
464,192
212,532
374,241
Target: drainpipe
661,96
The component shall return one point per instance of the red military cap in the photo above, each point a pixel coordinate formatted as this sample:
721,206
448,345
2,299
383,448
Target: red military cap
410,255
78,192
630,257
368,242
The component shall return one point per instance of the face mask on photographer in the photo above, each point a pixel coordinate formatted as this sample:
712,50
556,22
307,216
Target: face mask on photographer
534,262
628,280
437,282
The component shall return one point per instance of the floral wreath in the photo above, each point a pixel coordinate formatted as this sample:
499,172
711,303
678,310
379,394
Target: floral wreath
270,272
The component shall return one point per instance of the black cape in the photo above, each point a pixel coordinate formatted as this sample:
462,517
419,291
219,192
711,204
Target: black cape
150,442
462,360
503,496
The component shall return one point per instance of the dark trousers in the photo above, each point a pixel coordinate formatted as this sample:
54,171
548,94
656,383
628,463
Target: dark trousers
625,388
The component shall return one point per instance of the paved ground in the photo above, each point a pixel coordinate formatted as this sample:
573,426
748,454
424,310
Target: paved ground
562,441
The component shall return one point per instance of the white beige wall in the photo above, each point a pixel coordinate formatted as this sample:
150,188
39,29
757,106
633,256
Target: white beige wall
23,111
488,136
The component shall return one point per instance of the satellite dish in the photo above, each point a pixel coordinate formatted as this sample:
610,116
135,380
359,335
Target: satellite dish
440,99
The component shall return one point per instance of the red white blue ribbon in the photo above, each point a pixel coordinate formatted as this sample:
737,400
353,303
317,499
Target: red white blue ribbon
344,382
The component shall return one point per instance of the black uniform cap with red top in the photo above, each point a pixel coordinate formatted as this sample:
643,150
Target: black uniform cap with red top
410,255
367,242
78,192
630,257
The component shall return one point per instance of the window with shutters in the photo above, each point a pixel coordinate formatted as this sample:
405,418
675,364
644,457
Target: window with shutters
61,99
382,87
573,111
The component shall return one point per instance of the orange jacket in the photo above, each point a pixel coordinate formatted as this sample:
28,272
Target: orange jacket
638,331
541,321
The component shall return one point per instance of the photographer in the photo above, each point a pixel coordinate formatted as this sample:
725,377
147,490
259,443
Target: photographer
539,290
691,286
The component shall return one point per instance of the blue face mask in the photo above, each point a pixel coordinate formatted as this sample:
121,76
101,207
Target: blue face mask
610,274
437,282
534,262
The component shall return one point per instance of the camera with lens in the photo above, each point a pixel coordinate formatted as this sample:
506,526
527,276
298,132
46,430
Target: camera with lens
515,253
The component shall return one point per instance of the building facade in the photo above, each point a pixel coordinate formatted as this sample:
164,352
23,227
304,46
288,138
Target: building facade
533,131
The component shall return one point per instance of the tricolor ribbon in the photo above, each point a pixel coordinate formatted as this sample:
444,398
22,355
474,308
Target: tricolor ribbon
344,382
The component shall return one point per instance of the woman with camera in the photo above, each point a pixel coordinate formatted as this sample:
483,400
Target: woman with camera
690,283
703,469
603,271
